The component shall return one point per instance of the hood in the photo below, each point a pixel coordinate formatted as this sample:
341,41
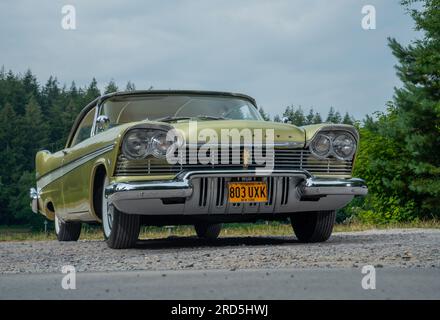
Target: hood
283,133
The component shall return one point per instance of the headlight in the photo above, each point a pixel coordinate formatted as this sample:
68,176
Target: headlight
136,144
321,146
344,146
160,145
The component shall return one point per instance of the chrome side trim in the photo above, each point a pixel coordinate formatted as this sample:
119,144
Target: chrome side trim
66,168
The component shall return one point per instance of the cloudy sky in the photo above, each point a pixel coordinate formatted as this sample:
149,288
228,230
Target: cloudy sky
302,52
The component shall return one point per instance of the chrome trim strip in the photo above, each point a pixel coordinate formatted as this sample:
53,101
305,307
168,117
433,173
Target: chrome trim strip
286,144
95,118
66,168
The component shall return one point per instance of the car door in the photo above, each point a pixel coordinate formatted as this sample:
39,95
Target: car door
77,168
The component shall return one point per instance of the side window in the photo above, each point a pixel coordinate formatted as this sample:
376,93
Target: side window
85,128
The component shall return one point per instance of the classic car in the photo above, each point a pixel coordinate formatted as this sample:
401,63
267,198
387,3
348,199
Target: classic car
116,168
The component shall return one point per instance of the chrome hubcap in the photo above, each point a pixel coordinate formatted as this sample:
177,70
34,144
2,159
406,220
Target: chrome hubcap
107,213
57,224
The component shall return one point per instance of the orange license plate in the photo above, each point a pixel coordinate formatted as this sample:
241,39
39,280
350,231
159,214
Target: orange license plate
247,192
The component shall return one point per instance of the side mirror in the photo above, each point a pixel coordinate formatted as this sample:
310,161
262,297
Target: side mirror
285,120
102,123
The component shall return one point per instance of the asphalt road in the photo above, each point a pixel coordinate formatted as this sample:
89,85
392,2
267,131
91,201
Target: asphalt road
407,264
391,283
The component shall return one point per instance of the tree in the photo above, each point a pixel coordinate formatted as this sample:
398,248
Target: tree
92,92
130,86
111,87
399,154
295,115
310,117
34,132
348,119
317,119
416,128
9,130
264,115
333,116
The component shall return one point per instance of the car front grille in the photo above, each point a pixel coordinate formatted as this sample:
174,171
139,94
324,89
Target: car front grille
285,158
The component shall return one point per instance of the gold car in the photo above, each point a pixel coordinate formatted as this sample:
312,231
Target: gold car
193,157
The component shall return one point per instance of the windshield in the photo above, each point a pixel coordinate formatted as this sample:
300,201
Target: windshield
177,107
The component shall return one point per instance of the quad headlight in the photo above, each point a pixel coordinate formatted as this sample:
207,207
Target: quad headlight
341,145
160,145
344,146
136,144
321,146
140,143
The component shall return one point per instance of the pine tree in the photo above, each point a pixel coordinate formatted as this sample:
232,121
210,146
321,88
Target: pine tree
337,118
347,119
111,87
34,130
399,153
415,124
331,115
295,115
317,118
92,92
264,115
130,86
310,117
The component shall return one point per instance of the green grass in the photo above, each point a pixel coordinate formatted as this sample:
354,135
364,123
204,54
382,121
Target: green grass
20,233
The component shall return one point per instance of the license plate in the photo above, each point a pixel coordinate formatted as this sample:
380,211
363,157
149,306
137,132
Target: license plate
247,192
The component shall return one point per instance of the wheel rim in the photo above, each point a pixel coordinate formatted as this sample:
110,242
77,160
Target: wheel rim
107,213
57,225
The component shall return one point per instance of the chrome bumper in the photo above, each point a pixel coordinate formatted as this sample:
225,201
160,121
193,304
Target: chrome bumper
144,197
33,193
326,187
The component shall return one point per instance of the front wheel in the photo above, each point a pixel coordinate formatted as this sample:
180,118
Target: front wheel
314,226
209,231
67,231
121,230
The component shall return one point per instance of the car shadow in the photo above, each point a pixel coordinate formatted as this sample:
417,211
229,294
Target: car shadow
174,242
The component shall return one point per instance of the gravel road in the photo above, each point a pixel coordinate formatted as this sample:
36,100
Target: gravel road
401,248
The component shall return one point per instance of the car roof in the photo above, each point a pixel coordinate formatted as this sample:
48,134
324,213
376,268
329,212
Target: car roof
176,92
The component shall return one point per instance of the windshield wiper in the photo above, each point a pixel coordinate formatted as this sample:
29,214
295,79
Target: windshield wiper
171,118
210,117
203,117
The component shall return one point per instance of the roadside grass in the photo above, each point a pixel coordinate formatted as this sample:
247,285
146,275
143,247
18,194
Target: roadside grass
20,233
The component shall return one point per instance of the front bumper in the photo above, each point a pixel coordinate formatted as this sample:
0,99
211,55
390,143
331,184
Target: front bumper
34,195
199,192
